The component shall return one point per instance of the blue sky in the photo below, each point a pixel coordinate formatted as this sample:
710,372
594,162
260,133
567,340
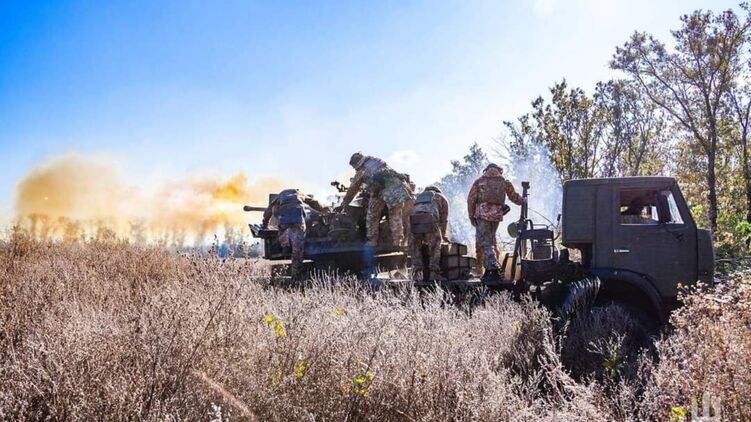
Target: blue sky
290,88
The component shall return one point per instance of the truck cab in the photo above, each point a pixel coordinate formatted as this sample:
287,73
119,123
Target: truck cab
638,235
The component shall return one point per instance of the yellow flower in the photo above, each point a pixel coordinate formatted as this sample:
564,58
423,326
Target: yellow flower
678,413
279,328
339,311
300,370
276,324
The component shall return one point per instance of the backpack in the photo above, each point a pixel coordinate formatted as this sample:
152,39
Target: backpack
291,209
424,216
493,190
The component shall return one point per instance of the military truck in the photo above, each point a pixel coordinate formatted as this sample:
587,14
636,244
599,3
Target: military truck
630,240
637,235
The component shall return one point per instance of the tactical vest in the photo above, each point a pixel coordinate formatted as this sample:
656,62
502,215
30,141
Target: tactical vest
291,209
492,190
425,214
373,165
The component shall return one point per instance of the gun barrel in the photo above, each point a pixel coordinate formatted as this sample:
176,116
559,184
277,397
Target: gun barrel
249,208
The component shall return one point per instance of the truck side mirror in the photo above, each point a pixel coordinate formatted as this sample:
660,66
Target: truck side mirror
663,210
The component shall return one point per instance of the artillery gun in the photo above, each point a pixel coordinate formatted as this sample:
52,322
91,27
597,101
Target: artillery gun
334,241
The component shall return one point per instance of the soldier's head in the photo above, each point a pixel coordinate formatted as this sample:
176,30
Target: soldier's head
356,160
493,166
433,188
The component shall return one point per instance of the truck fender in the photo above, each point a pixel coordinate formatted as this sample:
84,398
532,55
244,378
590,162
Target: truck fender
634,280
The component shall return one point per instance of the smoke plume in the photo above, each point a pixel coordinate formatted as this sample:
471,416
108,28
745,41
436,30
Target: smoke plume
73,197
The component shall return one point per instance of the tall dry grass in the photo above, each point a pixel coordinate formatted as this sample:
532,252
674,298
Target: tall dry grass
112,331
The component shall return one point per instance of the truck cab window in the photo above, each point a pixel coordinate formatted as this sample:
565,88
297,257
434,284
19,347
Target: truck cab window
646,207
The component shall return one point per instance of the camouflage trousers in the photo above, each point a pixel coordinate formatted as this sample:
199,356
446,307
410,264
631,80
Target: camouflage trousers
406,212
293,235
376,205
433,242
486,244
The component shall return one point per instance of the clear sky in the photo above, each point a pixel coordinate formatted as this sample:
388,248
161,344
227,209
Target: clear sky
291,88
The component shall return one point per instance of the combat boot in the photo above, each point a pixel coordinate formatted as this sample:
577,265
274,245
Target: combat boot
417,275
491,275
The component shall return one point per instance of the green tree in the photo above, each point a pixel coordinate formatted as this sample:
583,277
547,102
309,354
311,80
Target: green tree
636,133
571,127
690,82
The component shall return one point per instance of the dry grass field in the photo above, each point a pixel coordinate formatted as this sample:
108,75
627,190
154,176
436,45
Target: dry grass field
109,331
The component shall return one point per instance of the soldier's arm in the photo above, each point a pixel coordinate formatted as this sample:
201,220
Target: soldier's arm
443,204
472,200
313,204
354,188
512,195
268,213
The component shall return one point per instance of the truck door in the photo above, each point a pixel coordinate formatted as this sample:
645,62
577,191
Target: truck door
654,234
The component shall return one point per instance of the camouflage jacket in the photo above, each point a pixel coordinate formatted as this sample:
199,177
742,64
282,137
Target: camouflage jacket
273,208
489,212
394,189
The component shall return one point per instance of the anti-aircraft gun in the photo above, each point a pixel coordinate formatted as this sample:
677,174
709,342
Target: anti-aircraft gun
334,240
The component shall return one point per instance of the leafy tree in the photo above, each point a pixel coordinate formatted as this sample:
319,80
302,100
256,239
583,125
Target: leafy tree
739,111
636,133
690,82
571,127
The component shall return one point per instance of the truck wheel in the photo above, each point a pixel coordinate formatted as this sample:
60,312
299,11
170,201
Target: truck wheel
646,324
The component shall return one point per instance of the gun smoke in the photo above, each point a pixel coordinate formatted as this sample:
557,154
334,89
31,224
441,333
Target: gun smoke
76,197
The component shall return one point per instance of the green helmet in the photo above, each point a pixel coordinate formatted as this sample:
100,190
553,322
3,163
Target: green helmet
355,160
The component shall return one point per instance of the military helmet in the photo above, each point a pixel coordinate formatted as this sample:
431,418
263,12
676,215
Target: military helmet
493,166
289,191
433,188
355,160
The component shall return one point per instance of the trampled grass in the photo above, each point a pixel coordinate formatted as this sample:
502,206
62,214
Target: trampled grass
104,330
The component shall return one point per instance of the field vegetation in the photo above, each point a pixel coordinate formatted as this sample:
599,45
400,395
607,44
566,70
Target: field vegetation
107,330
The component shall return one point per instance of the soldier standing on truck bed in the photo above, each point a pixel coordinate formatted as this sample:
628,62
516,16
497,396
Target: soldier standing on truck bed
288,209
428,223
388,189
486,202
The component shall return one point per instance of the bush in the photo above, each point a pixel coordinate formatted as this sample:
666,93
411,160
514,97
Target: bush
107,330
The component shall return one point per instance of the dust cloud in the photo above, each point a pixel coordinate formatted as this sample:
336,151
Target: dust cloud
77,197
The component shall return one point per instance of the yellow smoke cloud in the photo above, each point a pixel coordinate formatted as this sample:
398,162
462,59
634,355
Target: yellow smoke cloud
75,196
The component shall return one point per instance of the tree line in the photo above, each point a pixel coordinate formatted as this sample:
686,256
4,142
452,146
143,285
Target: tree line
681,110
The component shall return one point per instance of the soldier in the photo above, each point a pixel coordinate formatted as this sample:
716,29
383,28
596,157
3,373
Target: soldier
288,209
407,208
388,190
428,224
486,202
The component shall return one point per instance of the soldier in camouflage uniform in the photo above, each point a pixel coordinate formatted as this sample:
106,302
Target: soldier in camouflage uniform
428,224
289,212
486,202
388,190
407,209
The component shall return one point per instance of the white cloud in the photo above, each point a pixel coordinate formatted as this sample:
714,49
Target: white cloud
404,157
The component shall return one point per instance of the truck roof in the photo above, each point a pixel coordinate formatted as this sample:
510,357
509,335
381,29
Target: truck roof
630,180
